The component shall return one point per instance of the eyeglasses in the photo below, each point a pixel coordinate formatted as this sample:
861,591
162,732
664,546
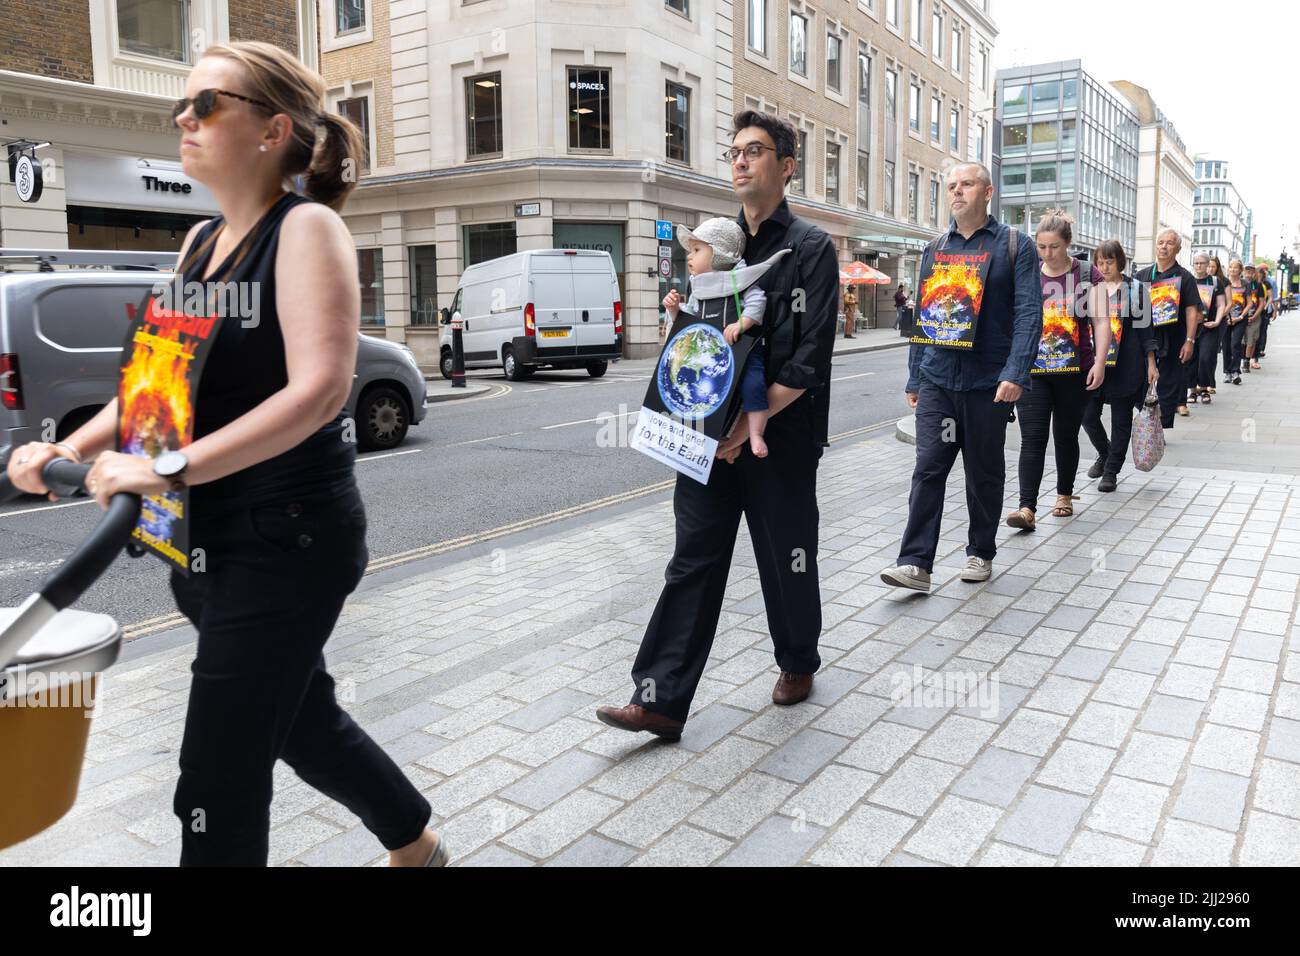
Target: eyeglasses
751,152
206,101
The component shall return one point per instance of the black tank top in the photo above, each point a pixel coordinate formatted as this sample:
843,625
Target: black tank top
245,366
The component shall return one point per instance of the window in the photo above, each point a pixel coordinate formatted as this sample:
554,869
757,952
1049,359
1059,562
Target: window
1043,137
358,110
981,130
798,44
423,268
864,79
984,67
1015,99
677,123
370,265
756,27
158,28
489,240
589,120
483,115
936,105
797,184
934,202
833,59
1042,178
351,15
1068,141
936,35
1013,179
1047,96
1067,177
891,11
832,171
954,130
1014,140
889,188
891,96
864,178
918,18
956,49
913,187
1069,94
914,108
681,6
1014,215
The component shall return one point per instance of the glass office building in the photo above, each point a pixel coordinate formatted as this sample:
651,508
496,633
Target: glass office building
1068,141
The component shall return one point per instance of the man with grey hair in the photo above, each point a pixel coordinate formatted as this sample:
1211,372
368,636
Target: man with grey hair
963,393
1175,309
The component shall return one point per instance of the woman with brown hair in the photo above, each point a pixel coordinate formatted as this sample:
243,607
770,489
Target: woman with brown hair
1131,367
273,501
1071,363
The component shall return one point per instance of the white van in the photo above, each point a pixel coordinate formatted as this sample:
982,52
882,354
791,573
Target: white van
546,308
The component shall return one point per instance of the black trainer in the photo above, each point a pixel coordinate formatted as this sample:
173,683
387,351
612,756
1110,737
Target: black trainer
1107,482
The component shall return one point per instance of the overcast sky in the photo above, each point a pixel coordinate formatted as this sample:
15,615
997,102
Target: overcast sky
1166,46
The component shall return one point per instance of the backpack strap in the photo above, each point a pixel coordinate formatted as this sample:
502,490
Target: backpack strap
1013,247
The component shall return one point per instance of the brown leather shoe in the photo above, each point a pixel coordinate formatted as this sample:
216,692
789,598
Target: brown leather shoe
791,688
636,718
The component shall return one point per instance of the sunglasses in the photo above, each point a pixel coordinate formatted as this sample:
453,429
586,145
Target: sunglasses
206,102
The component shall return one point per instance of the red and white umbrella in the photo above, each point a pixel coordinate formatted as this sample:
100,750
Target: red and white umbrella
859,273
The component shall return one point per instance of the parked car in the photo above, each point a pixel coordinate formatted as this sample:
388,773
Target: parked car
61,335
545,308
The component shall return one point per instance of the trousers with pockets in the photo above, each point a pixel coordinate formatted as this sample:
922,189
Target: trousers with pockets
275,580
777,495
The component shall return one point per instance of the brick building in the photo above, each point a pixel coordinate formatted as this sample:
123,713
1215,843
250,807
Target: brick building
95,80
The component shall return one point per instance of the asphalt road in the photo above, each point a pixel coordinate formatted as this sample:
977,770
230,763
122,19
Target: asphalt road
521,453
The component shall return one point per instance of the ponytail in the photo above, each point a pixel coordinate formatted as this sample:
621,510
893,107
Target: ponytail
336,163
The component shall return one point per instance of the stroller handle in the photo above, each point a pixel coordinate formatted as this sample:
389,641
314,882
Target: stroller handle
91,558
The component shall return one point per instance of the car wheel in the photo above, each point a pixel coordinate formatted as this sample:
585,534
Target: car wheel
445,363
597,369
515,372
73,421
382,419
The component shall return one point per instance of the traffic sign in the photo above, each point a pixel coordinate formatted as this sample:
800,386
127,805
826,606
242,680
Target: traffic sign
663,229
666,268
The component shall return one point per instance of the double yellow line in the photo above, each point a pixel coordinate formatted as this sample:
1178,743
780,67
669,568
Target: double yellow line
175,619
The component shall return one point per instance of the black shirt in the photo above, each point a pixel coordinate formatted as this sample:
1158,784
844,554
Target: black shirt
1137,338
1172,336
245,367
798,343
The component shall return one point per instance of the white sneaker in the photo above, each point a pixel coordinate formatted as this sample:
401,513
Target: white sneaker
977,569
907,576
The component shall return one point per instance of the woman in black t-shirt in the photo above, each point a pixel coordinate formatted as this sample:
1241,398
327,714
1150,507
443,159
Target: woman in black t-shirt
1214,309
274,503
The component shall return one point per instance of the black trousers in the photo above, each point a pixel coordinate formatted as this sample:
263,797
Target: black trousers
1171,388
778,497
1207,356
1057,401
275,581
948,422
1092,425
1121,431
1264,320
1234,348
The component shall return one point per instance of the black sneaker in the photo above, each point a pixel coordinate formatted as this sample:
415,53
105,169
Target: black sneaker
1107,482
1097,468
1236,379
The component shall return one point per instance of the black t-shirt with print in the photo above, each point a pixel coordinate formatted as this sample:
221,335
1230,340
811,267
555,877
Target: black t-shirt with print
1173,336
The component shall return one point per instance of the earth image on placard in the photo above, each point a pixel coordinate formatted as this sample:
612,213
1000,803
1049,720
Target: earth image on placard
695,371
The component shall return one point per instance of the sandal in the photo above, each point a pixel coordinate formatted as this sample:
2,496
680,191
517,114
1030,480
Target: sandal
1022,518
1063,507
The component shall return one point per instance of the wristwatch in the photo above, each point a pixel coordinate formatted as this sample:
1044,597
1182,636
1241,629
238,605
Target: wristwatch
171,465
